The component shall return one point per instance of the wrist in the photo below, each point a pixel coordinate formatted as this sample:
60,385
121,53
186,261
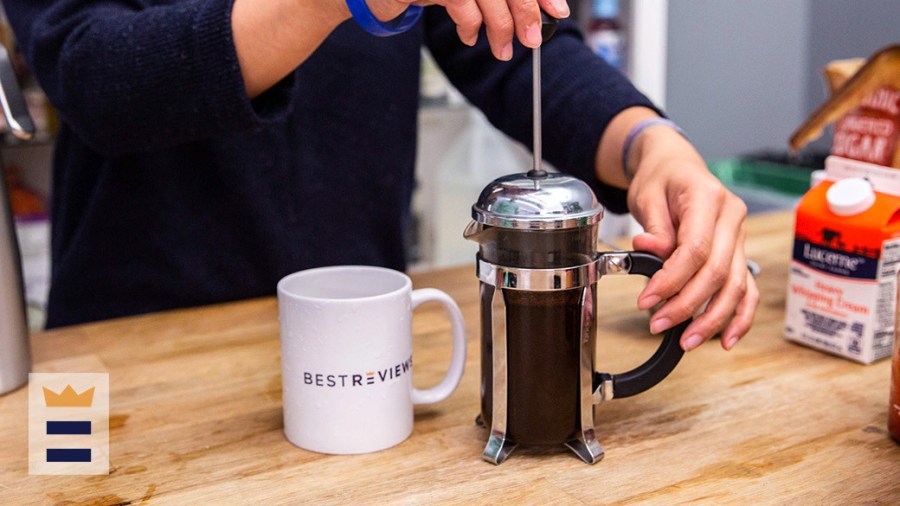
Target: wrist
650,132
608,161
384,10
330,13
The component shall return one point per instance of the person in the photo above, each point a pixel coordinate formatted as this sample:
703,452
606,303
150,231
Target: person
210,147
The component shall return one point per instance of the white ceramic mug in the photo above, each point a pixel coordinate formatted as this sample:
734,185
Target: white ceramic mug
346,357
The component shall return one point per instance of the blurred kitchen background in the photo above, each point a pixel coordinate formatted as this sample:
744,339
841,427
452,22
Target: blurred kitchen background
738,76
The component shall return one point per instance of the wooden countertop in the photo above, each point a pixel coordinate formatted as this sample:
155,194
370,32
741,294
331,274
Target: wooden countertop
196,416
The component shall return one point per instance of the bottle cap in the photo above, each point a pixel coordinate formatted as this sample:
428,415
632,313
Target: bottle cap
850,196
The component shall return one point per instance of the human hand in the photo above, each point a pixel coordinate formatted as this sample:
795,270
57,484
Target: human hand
502,19
696,224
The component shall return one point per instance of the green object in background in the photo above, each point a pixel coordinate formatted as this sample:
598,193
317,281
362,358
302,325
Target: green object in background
763,186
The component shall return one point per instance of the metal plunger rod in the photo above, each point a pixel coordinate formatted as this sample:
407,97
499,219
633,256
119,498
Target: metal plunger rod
536,100
548,27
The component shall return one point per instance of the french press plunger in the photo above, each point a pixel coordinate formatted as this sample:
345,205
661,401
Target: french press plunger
538,268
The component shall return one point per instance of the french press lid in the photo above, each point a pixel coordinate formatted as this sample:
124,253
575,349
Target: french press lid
543,201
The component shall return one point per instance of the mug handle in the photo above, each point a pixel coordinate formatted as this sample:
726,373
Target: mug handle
458,358
667,356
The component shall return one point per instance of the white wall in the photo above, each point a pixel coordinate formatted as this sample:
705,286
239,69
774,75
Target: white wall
743,74
737,72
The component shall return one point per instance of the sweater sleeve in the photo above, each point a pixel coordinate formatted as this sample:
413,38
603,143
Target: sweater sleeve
580,95
132,76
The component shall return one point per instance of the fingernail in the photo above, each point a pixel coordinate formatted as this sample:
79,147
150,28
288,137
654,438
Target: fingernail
692,341
562,7
729,342
660,324
649,301
472,40
506,52
533,35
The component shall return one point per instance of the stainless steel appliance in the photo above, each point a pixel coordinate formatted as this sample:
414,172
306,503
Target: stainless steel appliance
15,357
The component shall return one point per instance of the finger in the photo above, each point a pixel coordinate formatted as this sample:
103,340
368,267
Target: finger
499,24
711,277
743,316
659,230
556,8
468,19
527,18
658,241
658,238
722,306
696,238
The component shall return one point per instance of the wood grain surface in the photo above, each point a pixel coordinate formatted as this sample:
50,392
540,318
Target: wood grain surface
196,416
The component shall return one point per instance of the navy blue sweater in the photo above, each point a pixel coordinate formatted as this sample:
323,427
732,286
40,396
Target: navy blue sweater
171,188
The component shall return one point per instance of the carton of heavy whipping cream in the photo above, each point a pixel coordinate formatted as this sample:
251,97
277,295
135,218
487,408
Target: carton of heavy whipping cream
841,294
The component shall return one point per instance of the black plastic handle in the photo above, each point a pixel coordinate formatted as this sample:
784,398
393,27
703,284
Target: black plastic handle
549,25
667,356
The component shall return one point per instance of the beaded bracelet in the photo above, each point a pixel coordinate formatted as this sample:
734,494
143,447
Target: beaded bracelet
636,132
371,24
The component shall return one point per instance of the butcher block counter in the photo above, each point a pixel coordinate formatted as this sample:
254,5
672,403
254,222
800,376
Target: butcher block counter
195,416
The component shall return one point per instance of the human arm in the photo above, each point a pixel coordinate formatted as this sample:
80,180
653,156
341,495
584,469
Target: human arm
272,38
692,221
131,78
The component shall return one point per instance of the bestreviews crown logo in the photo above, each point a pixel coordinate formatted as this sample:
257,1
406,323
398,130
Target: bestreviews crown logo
68,424
68,398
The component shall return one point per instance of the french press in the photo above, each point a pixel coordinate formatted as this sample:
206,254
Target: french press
538,267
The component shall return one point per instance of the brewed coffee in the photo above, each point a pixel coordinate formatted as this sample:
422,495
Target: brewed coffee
543,334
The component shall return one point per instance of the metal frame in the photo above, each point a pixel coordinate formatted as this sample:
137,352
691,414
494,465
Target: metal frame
585,443
494,279
498,447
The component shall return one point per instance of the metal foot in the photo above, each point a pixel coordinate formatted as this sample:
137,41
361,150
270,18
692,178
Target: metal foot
586,446
497,449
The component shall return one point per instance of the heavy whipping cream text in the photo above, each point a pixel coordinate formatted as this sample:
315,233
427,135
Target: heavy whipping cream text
829,297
